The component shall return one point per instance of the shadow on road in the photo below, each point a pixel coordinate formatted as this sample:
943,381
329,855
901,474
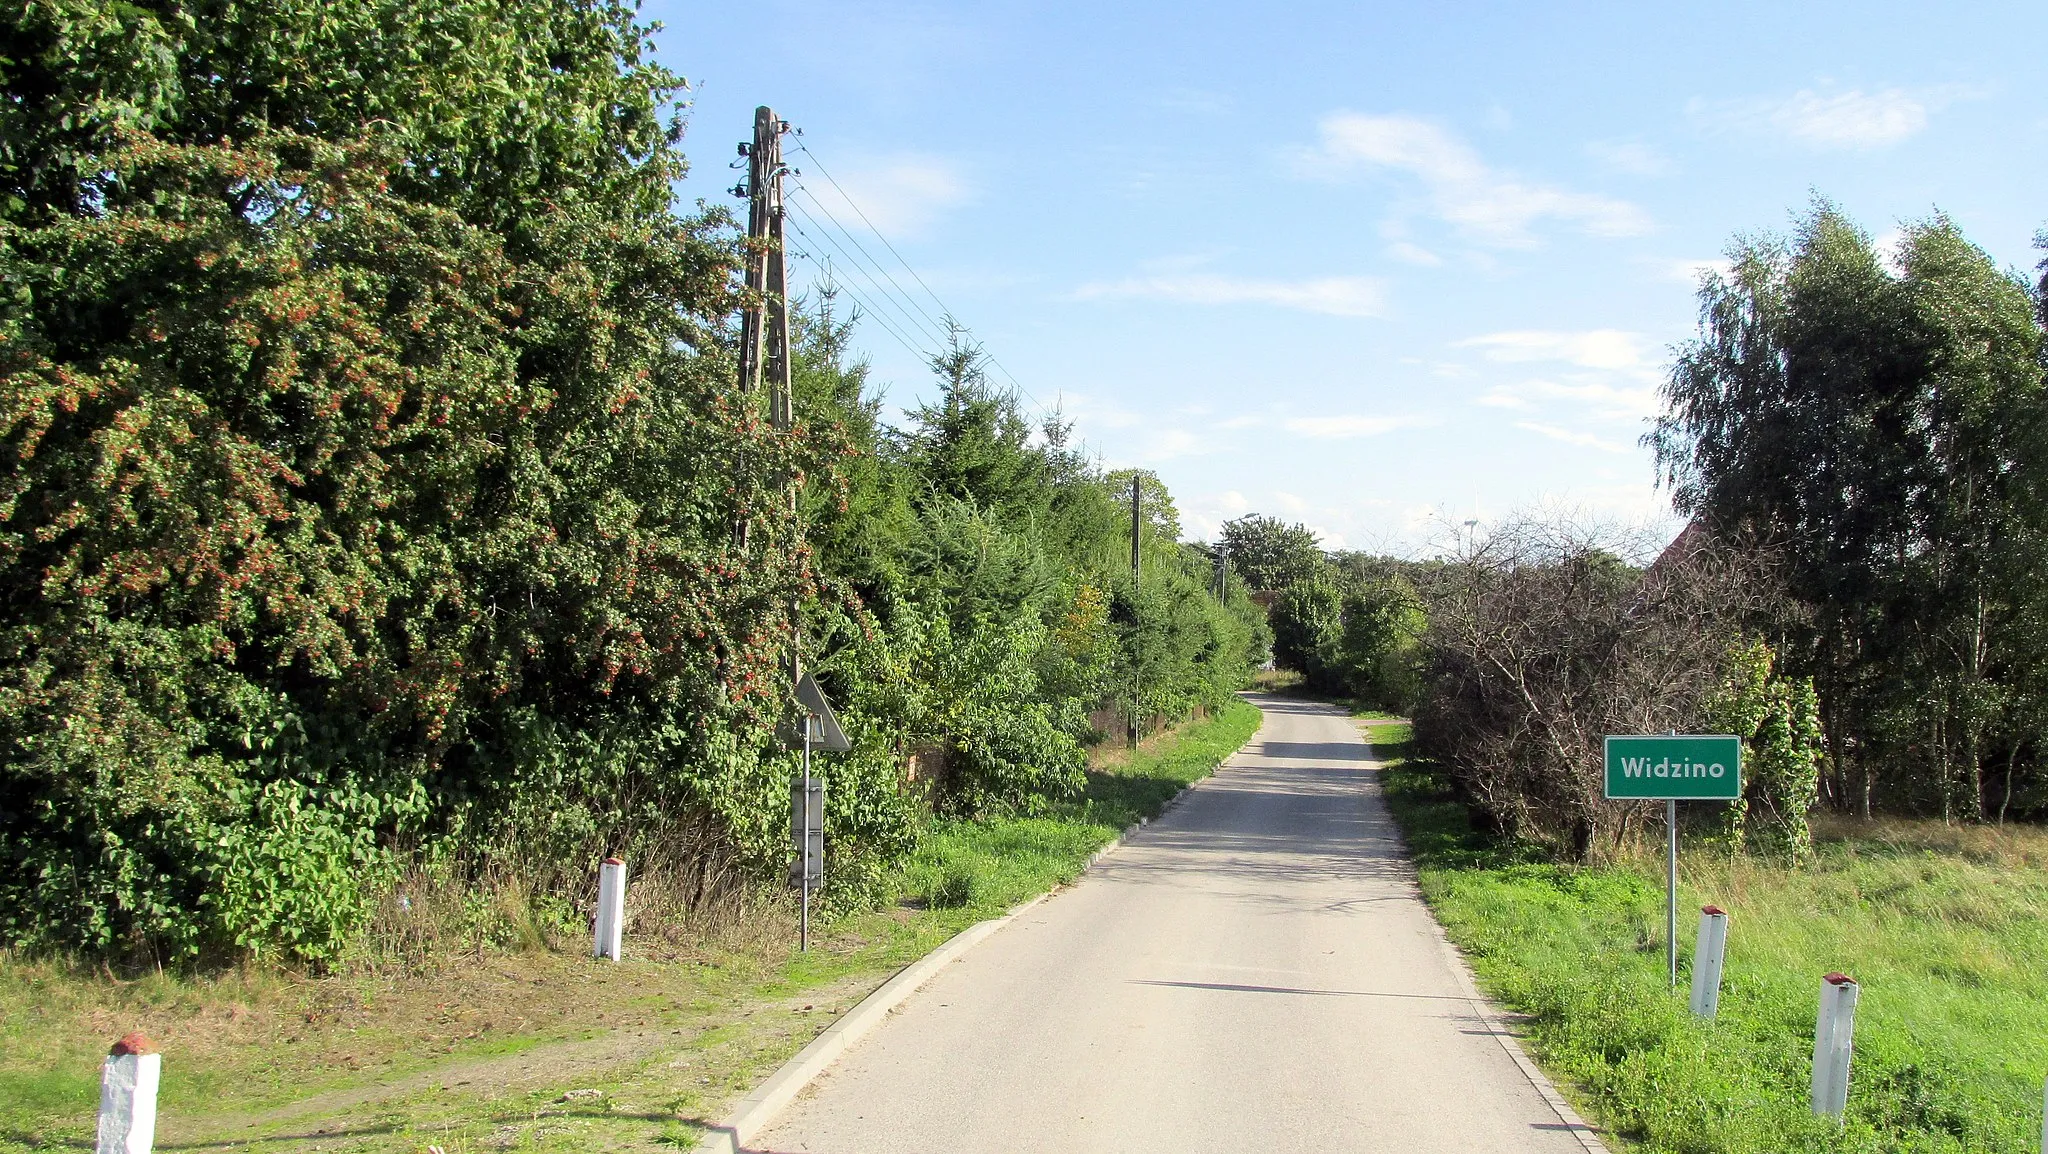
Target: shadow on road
1236,988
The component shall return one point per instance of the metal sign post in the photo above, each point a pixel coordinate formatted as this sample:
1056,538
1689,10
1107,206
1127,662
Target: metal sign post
816,728
808,869
1673,767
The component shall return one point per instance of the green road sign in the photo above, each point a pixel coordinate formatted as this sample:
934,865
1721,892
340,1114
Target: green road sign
1680,767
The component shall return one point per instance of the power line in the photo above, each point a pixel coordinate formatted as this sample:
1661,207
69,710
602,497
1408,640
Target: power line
879,235
874,299
931,324
817,232
826,173
881,318
901,297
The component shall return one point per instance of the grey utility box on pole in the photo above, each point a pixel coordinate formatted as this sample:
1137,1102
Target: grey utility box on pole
807,830
816,728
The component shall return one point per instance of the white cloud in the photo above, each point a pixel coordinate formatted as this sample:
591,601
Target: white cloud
901,195
1343,296
1630,157
1610,349
1573,437
1486,204
1413,254
1166,444
1154,446
1615,381
1690,271
1338,426
1603,400
1094,412
1831,119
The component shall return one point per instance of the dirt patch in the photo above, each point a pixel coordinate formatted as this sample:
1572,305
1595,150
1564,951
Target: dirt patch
643,1073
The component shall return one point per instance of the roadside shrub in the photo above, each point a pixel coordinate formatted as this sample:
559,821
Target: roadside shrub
955,888
1543,640
1778,720
298,874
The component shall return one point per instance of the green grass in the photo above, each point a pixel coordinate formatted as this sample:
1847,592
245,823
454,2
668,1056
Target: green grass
1945,929
987,866
416,1051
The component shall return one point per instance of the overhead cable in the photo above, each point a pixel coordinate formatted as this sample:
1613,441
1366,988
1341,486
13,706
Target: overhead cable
907,266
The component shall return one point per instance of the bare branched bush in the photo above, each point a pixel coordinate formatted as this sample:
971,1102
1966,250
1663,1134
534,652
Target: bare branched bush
1542,640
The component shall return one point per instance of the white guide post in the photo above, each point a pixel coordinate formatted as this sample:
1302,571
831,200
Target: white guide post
128,1081
1833,1039
611,907
1707,951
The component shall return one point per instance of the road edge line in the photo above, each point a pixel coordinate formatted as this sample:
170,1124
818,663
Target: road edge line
771,1097
1587,1134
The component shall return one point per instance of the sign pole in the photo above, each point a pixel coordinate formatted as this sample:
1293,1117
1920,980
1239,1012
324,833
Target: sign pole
803,853
1671,768
816,728
1671,891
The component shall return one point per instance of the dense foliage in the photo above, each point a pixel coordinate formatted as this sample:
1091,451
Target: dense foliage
1516,656
1349,623
1878,419
985,611
372,466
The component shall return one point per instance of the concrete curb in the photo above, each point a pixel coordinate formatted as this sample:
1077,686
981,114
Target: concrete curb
769,1099
1578,1127
759,1108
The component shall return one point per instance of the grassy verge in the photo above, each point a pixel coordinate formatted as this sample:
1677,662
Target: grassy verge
990,866
540,1049
1946,929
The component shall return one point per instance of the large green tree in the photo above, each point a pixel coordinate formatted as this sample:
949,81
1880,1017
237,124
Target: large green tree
374,474
370,461
1268,553
1881,426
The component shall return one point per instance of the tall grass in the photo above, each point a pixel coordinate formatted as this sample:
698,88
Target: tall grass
1946,930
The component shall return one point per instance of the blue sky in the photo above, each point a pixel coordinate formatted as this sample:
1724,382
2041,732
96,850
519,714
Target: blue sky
1377,268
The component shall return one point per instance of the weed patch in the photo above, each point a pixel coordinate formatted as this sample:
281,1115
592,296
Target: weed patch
1946,930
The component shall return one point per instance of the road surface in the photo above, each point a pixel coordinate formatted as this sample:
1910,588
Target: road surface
1256,971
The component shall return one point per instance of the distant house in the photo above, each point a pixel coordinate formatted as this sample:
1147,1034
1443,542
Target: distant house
1689,541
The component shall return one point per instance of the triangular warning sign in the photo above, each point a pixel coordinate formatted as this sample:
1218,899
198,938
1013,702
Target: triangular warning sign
825,732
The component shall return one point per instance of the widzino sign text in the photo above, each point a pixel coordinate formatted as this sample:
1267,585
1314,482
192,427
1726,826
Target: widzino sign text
1682,767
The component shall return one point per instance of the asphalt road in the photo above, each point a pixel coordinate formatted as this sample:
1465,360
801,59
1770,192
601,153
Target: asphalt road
1256,971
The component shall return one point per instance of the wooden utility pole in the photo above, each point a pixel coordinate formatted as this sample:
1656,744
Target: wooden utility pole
764,326
764,334
765,363
1137,612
